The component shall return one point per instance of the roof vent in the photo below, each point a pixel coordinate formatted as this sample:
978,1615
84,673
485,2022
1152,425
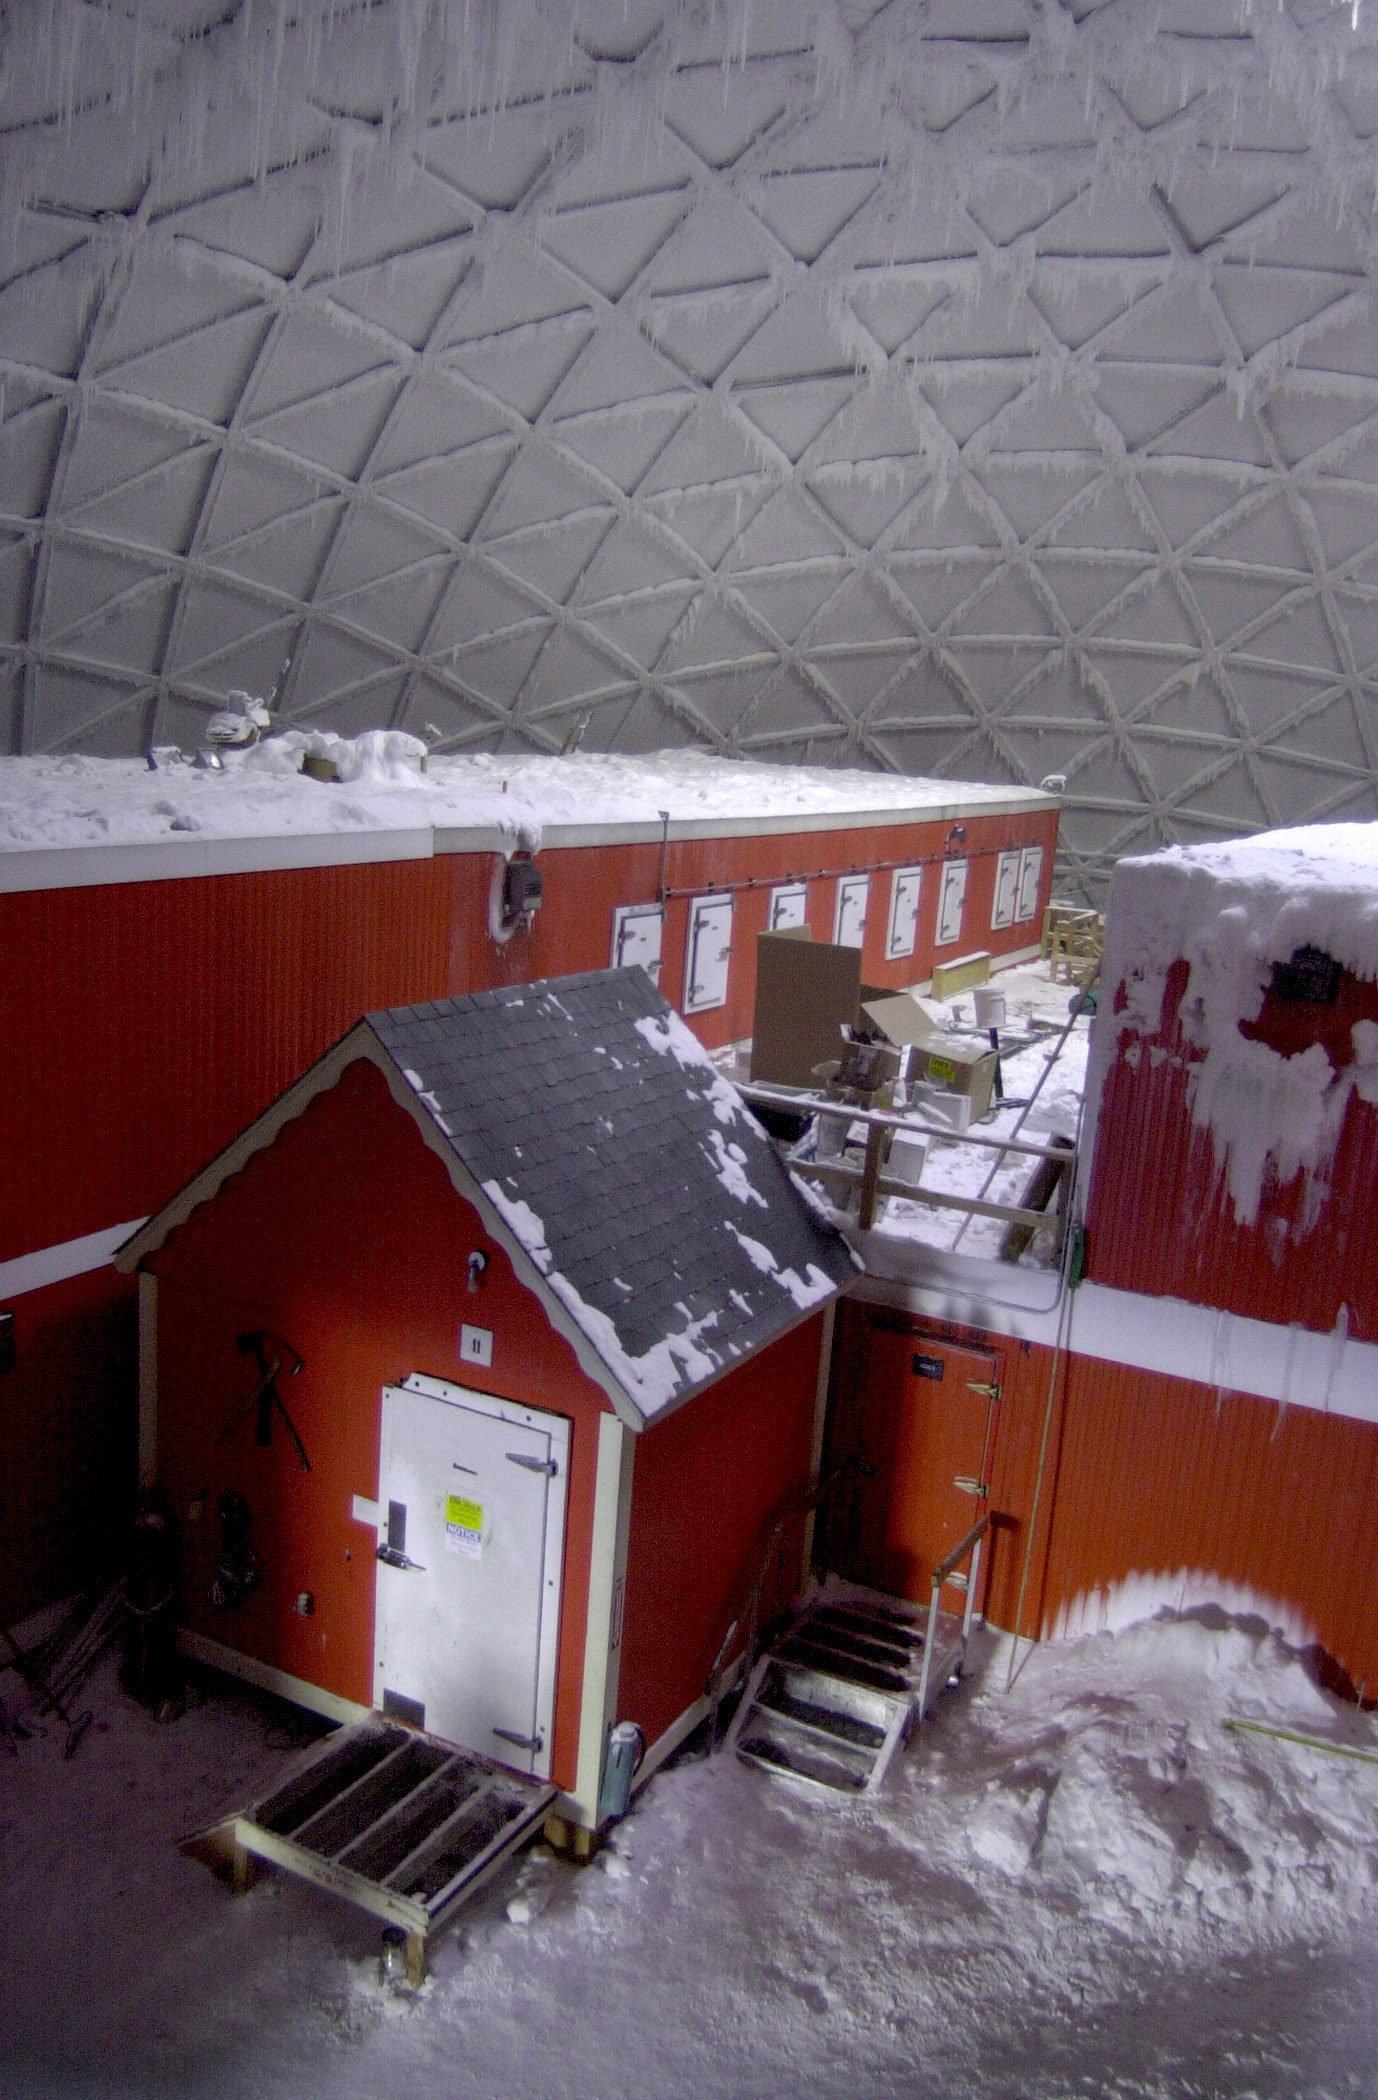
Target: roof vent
1311,978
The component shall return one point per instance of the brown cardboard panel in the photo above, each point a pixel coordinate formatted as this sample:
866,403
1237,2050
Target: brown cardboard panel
805,991
902,1017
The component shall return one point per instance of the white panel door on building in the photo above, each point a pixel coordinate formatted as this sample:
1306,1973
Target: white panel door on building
902,932
1006,889
1030,875
789,906
951,895
708,953
472,1495
636,938
849,921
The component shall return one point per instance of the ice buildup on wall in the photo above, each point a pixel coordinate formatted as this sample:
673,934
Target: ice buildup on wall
1230,913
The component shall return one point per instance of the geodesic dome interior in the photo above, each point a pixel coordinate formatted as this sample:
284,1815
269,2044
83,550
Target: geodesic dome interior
981,388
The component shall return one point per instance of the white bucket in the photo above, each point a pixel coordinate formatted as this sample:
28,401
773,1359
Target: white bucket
830,1137
990,1007
908,1151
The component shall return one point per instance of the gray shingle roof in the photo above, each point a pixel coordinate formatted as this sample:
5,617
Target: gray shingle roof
644,1190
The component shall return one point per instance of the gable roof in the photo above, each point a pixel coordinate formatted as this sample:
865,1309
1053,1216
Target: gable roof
627,1180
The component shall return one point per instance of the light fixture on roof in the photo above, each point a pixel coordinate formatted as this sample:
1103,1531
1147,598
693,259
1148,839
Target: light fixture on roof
515,895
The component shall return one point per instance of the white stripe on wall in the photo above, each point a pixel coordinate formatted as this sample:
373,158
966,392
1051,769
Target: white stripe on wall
1288,1364
30,1272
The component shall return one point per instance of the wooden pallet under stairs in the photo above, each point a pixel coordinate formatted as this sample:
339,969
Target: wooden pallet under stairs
855,1674
397,1821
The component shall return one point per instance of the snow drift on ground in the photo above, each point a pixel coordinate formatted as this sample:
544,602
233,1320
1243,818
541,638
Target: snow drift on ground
261,792
1088,1885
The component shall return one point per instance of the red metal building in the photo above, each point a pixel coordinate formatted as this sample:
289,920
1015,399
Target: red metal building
163,993
1199,1418
561,1323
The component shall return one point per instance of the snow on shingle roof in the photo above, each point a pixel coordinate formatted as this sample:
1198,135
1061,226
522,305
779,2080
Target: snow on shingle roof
644,1191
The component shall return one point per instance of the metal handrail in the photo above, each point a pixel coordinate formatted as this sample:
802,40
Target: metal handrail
798,1506
969,1544
807,1103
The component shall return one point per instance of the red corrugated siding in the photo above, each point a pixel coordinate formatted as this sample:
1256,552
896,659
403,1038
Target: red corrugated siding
706,1487
1148,1475
585,885
67,1439
1160,1220
147,1023
152,1021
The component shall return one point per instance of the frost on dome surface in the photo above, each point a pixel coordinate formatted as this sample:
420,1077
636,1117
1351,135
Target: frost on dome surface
949,387
1232,914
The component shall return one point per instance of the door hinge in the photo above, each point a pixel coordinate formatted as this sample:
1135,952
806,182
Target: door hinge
394,1557
533,1465
991,1391
523,1742
970,1485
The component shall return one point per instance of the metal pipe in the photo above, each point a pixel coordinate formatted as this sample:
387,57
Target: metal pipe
859,867
812,1104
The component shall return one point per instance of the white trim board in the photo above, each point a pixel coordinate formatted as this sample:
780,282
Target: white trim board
150,860
24,868
32,1272
1292,1365
201,1648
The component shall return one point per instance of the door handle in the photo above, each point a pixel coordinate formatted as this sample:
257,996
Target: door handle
533,1465
523,1742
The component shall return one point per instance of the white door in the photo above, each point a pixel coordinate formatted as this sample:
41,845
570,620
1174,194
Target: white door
904,913
849,924
789,906
708,954
1030,875
950,896
472,1507
1006,887
636,932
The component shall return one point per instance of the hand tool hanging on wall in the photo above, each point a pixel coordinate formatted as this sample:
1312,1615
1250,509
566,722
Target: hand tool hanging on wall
265,1396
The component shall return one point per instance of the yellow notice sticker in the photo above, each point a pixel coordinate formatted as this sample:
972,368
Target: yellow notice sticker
463,1526
942,1069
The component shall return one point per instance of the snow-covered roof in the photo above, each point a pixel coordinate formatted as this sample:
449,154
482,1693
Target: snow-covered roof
1230,913
81,819
982,387
634,1190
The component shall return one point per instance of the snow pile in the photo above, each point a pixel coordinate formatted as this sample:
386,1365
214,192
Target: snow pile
378,757
262,792
1182,1828
1231,912
1087,1885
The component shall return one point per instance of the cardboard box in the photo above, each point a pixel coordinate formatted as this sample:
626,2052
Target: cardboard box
902,1017
959,1064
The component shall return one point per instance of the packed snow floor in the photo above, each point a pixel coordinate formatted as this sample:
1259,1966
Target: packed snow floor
1087,1885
